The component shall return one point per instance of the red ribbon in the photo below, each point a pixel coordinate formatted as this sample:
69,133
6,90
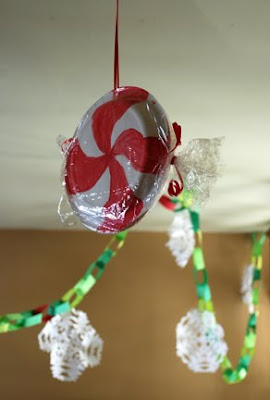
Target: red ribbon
116,50
175,188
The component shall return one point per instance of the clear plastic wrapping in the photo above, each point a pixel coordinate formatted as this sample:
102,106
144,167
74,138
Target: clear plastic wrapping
199,165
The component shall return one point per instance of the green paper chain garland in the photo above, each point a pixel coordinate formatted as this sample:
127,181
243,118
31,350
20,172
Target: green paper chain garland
205,303
14,321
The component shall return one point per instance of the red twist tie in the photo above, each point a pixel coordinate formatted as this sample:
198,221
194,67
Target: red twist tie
166,202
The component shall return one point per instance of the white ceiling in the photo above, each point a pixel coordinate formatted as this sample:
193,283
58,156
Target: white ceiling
206,61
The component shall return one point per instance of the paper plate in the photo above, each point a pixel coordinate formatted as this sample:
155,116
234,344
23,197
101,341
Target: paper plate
118,160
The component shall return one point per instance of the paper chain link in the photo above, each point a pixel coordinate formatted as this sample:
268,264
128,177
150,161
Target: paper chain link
41,314
203,290
229,374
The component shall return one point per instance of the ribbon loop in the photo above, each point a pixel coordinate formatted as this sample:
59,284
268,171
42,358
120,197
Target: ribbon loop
174,188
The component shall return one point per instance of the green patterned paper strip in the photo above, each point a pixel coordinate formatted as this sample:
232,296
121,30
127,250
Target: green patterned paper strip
14,321
238,374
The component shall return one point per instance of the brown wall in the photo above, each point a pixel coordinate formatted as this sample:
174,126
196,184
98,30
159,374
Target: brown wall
135,308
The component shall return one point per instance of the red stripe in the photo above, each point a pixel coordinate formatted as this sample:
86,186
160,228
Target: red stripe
108,114
142,152
83,172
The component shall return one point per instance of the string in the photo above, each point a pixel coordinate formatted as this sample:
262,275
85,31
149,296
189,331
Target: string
116,50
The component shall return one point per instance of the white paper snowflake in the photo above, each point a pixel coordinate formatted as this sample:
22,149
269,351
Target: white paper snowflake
181,238
199,341
246,286
73,345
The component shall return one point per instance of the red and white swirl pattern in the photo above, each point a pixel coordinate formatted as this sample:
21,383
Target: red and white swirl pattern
118,160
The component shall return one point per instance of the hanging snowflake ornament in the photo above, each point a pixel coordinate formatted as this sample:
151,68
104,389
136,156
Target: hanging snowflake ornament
246,286
73,345
181,238
199,341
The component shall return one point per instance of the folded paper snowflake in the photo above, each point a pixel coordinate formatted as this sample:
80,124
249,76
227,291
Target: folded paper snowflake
73,345
199,341
246,286
181,238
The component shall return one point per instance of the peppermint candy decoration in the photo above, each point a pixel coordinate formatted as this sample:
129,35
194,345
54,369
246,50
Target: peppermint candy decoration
199,341
72,343
118,160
